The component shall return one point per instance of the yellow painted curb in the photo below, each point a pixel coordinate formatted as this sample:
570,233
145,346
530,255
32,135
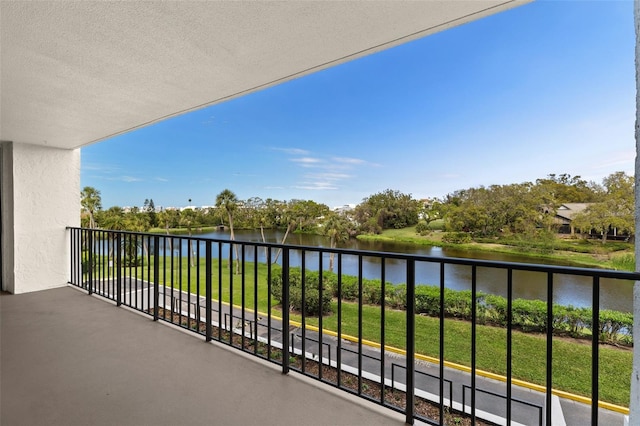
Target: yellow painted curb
460,367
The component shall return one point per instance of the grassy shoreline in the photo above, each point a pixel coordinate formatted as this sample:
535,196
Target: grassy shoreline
597,259
594,257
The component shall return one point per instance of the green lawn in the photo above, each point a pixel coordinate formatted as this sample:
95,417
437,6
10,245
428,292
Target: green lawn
571,359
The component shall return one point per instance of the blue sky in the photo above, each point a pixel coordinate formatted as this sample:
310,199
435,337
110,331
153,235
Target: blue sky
545,88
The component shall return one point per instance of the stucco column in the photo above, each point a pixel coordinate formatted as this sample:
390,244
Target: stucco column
40,198
634,405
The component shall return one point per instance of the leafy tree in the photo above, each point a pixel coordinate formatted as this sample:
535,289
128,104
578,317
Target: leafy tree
228,201
91,202
389,209
565,188
615,211
150,208
301,214
496,210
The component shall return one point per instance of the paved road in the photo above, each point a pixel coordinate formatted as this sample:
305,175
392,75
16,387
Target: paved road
528,406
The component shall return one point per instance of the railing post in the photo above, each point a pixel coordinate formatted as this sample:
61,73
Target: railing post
549,379
410,340
118,269
90,274
285,311
595,348
156,277
474,318
208,291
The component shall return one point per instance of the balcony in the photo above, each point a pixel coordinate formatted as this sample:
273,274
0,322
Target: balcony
72,359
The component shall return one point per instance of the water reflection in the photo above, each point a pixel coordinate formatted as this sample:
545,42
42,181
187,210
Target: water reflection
567,289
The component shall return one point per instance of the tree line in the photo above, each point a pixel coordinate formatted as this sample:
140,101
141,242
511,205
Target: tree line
498,210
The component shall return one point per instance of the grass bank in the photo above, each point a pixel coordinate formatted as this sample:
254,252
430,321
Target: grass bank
585,253
571,358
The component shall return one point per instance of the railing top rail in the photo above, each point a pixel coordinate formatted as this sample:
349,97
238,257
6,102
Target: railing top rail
531,267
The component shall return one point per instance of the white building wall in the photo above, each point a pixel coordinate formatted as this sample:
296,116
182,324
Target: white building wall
41,197
634,403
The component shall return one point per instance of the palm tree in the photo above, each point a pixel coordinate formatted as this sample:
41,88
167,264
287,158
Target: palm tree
228,201
113,219
91,203
336,228
187,218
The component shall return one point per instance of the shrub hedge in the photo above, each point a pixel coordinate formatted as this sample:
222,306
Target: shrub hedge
311,291
527,315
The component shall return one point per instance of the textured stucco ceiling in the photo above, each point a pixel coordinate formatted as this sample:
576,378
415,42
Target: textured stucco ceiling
73,73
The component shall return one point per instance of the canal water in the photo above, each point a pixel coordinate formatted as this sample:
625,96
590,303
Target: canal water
568,289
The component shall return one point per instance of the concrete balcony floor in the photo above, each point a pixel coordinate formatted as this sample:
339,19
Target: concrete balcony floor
67,358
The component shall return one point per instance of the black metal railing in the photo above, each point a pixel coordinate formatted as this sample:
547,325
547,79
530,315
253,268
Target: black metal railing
236,293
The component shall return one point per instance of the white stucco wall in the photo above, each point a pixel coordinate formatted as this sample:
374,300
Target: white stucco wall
634,403
45,200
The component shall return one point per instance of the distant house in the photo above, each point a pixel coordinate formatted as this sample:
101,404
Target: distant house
344,209
565,214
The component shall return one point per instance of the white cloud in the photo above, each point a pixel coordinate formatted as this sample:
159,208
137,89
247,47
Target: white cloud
129,179
292,151
328,176
307,161
347,160
316,186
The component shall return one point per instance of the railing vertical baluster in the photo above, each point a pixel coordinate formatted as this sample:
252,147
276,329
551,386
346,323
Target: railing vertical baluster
189,263
359,324
139,271
410,341
303,297
134,264
320,325
267,256
73,246
220,291
255,299
509,340
198,276
156,277
441,346
230,264
474,311
99,288
172,278
118,269
180,262
164,271
595,351
72,250
285,311
549,378
90,256
382,328
155,260
339,354
208,290
243,298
